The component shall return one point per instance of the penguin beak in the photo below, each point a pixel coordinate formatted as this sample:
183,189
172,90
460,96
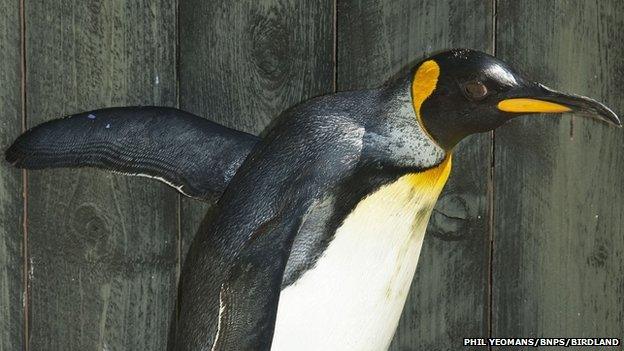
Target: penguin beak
540,99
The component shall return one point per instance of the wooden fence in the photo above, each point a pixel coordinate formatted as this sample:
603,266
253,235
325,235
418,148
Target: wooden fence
527,239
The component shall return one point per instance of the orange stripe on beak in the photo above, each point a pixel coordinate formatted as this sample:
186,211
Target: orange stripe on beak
525,105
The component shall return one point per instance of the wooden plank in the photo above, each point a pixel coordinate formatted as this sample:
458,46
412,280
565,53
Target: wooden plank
103,249
449,296
11,187
242,63
559,208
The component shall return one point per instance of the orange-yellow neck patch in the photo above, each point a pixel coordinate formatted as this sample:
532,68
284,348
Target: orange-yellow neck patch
433,178
424,83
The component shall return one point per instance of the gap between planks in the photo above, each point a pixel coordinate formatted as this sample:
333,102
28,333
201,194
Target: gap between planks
24,126
490,197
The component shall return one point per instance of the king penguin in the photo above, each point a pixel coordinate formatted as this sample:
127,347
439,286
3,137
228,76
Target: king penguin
317,227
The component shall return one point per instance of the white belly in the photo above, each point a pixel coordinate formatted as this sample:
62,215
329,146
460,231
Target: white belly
352,299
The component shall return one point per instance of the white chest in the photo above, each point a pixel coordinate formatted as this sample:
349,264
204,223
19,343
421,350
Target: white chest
352,299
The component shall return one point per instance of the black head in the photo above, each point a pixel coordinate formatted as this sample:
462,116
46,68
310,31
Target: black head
460,92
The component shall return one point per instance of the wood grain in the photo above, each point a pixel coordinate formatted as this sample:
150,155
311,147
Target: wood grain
103,247
242,63
559,205
11,203
449,296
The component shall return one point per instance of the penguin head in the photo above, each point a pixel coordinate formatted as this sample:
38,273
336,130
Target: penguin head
461,92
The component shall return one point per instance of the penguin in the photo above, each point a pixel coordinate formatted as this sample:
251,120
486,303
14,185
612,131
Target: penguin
317,227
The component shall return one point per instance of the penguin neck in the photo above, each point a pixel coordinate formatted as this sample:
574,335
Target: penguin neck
395,137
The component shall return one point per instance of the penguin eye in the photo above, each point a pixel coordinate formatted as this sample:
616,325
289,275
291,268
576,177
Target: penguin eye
475,90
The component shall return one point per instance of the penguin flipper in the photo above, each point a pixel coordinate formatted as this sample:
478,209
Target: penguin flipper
189,153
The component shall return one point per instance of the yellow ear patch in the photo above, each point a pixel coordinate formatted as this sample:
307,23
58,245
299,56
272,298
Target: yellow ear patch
424,83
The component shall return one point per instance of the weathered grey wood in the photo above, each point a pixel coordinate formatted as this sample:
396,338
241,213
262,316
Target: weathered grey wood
244,62
559,204
11,203
103,247
449,295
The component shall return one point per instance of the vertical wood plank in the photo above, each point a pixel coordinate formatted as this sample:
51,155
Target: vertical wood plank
102,247
11,231
244,62
559,209
449,296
